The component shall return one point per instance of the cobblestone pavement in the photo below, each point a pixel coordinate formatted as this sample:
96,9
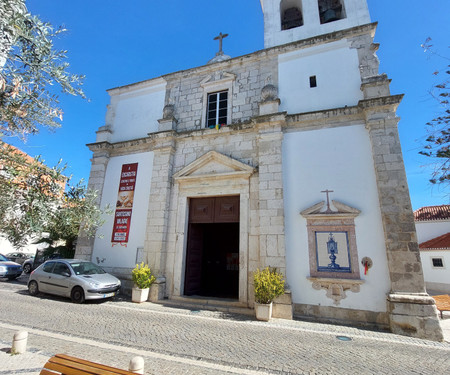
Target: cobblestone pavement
182,341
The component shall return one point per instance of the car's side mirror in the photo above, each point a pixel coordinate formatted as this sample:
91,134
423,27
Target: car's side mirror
66,274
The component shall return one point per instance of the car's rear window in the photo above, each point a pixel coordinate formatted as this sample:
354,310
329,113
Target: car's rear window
86,268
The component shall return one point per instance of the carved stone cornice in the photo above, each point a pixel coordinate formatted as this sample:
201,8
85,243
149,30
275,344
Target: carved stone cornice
391,102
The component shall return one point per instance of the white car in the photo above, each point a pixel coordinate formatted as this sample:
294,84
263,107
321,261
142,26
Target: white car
77,279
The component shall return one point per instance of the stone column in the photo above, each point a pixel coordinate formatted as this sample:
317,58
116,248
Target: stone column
158,215
271,204
411,310
100,159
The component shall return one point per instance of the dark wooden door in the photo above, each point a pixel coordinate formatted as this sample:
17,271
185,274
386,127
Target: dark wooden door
194,259
213,247
214,210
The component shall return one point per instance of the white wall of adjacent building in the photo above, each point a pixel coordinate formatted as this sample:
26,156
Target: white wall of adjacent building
120,256
427,230
437,279
338,159
336,68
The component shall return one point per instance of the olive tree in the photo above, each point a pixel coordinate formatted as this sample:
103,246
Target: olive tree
30,70
437,143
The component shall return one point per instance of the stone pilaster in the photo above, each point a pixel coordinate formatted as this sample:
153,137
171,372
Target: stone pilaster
271,204
158,214
412,311
100,159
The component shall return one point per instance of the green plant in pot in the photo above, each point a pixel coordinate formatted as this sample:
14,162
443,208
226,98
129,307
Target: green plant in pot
268,284
142,278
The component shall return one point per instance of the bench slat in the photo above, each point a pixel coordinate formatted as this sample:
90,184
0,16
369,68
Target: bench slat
99,366
46,372
442,303
67,365
78,369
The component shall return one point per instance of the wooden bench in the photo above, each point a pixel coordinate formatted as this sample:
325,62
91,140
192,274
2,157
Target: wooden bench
62,364
442,303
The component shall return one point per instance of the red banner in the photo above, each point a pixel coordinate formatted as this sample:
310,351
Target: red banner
124,204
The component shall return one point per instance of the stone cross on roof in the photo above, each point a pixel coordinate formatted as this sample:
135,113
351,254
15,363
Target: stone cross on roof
220,38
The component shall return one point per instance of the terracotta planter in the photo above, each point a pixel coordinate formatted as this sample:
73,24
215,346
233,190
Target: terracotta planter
263,311
139,295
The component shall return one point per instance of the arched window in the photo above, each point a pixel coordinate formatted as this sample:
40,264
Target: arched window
291,14
331,10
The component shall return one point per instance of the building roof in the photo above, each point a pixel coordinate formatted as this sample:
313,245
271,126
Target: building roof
432,213
441,242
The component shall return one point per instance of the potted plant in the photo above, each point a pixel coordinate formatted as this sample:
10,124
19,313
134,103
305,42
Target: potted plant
268,284
142,279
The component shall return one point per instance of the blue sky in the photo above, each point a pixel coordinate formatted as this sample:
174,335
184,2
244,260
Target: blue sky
115,43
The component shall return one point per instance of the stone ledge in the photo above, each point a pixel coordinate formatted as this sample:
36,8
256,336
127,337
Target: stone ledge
416,298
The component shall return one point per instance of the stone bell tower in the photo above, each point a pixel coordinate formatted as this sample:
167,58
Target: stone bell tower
287,21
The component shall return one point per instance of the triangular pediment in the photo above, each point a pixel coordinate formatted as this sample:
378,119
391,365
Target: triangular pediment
338,209
214,165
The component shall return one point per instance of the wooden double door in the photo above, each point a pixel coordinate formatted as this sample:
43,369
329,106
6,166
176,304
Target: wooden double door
212,254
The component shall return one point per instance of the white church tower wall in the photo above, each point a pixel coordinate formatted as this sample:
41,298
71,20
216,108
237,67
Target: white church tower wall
351,13
320,77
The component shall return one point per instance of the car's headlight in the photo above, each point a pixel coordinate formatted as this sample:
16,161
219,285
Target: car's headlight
3,269
94,284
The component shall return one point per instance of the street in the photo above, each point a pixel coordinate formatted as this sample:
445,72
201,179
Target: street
182,341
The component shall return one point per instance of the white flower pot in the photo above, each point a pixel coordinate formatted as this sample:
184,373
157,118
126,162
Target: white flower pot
139,295
263,311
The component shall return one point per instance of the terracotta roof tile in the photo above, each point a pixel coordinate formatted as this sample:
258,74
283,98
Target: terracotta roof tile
441,242
432,213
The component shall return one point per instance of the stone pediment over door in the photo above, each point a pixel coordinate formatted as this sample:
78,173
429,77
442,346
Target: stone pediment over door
213,166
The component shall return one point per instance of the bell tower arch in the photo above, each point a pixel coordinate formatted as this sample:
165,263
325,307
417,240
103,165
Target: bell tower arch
287,21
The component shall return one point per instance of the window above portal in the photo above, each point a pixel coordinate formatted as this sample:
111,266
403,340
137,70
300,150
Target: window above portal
291,14
331,10
217,99
217,109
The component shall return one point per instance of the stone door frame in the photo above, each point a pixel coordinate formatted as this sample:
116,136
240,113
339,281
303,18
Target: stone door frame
229,177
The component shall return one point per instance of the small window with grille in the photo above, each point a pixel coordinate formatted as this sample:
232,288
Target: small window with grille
437,262
217,109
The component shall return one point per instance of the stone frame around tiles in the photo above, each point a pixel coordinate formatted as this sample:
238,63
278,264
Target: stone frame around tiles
335,281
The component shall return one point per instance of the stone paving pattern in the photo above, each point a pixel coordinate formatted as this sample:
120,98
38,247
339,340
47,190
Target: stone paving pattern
182,341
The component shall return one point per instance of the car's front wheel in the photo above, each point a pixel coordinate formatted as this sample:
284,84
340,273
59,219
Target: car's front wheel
33,288
77,295
27,268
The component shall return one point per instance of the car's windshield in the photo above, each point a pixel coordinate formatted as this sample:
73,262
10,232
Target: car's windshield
86,268
3,258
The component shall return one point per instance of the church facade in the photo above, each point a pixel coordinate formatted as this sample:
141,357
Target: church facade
288,157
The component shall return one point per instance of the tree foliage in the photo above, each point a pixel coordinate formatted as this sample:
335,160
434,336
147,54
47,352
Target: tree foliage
438,141
33,197
30,68
36,199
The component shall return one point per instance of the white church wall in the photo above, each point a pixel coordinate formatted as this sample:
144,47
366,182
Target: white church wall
338,159
135,110
356,14
436,278
104,252
336,68
427,230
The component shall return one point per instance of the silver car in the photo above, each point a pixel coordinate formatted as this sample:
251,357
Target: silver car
9,269
78,279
